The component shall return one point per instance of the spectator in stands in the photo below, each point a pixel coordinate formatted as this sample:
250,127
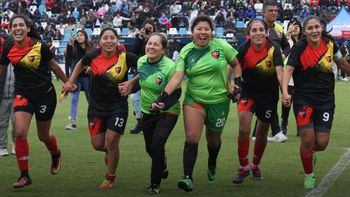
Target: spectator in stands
163,20
175,8
132,5
315,10
148,27
305,12
287,13
183,20
258,7
106,23
58,35
240,14
49,4
220,19
118,20
5,20
124,8
230,26
249,13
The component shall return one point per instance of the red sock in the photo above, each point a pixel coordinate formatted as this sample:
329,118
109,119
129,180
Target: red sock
243,150
316,149
259,149
52,145
22,154
110,177
306,159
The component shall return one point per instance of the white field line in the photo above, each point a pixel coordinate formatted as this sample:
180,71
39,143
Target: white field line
331,176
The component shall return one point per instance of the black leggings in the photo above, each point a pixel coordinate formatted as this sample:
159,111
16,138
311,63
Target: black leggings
156,130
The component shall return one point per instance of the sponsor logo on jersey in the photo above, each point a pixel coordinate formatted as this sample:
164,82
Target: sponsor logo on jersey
216,54
118,69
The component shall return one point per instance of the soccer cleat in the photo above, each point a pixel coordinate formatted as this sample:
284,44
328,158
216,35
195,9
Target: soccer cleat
185,184
241,174
256,173
71,126
309,182
22,182
153,189
107,184
211,173
55,163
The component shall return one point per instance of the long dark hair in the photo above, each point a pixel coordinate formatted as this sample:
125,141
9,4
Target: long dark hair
88,44
325,34
296,22
33,33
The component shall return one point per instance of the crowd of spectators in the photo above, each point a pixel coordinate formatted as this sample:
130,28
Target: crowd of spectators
53,17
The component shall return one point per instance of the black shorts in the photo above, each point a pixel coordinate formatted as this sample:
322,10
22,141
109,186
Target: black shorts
262,111
43,107
115,122
308,116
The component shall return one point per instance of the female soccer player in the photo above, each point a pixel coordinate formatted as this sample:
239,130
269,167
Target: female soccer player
205,63
108,106
261,63
35,94
310,63
155,70
75,52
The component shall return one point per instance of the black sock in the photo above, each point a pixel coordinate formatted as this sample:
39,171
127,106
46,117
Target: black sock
189,158
213,154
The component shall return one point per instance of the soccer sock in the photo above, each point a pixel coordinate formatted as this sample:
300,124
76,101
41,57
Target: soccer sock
259,149
306,159
110,177
316,149
213,155
189,158
22,155
52,145
243,150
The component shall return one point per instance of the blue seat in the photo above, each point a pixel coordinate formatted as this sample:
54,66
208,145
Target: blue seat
259,17
67,34
182,31
125,32
42,9
240,25
219,32
89,32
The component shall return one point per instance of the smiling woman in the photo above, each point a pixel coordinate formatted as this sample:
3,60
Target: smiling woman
310,62
35,94
205,62
261,63
108,105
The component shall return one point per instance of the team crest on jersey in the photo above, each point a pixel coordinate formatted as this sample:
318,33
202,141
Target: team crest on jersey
92,124
159,80
268,64
118,69
329,59
244,102
31,58
216,54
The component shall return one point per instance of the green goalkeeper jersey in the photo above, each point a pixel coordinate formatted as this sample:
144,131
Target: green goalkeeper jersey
206,70
153,79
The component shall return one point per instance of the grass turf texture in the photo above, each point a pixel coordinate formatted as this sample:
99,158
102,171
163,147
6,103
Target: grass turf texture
83,168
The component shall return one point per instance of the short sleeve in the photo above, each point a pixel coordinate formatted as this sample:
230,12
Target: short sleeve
180,63
277,57
131,60
46,53
230,52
